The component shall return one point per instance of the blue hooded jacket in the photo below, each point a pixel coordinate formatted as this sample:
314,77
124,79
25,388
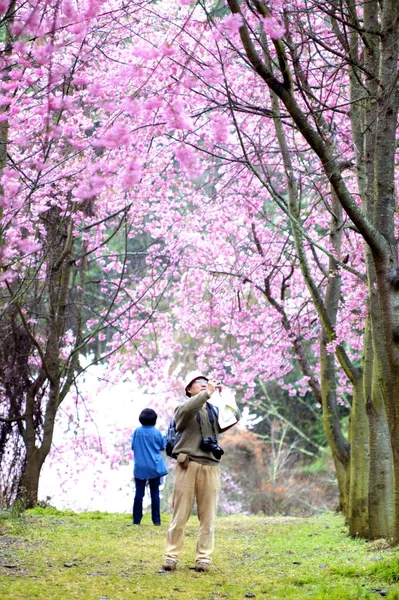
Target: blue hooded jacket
147,445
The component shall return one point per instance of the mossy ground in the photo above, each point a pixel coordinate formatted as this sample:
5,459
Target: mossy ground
50,555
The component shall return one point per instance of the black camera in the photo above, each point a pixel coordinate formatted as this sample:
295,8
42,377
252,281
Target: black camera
210,444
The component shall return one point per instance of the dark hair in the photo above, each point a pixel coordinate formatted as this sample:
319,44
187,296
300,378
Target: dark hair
148,417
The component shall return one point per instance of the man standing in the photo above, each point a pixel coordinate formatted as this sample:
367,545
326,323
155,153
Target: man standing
197,474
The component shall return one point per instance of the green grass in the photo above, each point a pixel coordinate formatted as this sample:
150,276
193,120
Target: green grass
49,555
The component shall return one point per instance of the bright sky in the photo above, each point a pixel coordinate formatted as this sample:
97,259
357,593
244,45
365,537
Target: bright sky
80,484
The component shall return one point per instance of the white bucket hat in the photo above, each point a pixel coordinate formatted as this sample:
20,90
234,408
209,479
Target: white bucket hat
190,378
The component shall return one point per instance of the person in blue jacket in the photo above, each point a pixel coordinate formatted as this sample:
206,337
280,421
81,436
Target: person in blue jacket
149,465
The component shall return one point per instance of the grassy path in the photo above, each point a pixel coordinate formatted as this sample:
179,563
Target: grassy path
51,555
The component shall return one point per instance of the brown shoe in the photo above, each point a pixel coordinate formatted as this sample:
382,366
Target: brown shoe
169,565
201,566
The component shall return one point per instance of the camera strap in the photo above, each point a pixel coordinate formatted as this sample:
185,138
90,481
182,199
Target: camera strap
210,417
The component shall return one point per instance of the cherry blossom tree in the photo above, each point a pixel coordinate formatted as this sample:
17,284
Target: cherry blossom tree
245,153
310,92
76,133
291,222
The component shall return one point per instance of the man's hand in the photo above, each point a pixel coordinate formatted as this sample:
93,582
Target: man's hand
212,386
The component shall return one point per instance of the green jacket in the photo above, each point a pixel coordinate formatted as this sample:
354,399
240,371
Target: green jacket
186,421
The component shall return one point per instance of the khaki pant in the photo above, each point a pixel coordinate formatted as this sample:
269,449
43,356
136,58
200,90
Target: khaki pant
203,483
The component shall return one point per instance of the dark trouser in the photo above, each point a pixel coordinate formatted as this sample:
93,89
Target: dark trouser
138,500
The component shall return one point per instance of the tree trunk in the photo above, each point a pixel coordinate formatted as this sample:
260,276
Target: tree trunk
342,475
381,468
326,308
44,397
386,266
29,488
359,465
380,473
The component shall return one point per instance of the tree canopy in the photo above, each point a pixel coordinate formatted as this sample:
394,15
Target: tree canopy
219,173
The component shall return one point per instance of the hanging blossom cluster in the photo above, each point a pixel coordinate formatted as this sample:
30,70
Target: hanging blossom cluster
222,299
